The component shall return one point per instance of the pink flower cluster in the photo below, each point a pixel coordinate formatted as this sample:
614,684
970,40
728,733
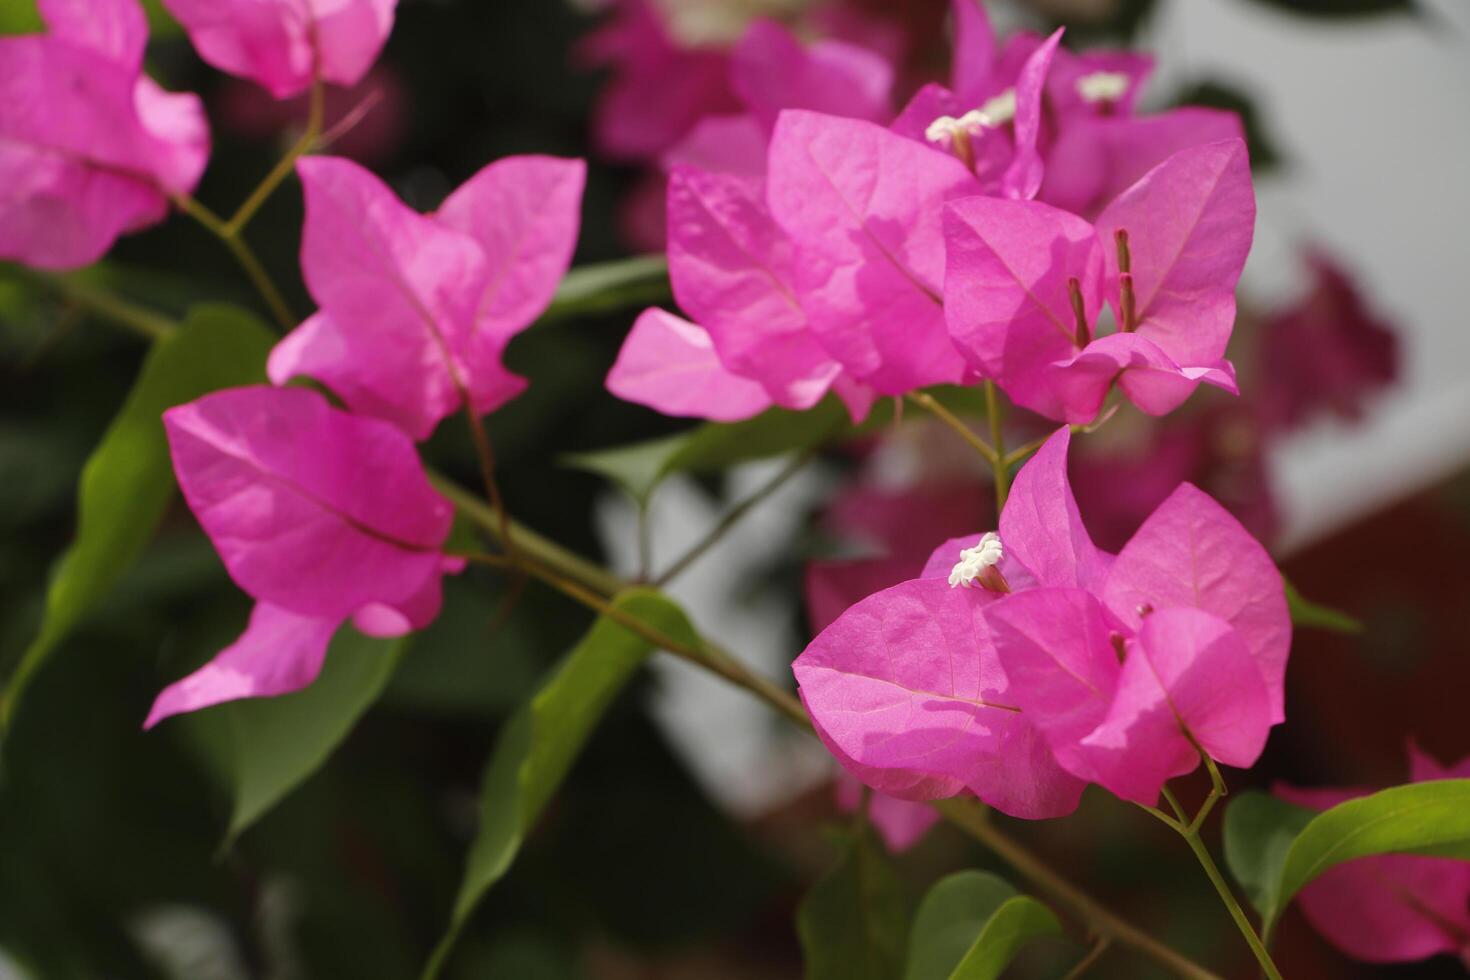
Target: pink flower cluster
823,252
323,515
1022,665
320,515
91,148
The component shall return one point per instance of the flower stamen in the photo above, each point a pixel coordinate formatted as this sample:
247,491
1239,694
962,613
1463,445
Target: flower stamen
980,564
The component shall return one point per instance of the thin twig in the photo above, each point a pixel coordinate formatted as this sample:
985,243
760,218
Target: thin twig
94,299
998,465
256,273
927,401
733,516
304,144
1090,960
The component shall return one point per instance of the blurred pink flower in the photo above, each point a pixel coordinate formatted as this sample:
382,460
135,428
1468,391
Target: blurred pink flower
900,823
1324,353
1030,662
1026,281
1394,908
284,45
734,270
417,310
369,117
317,514
90,148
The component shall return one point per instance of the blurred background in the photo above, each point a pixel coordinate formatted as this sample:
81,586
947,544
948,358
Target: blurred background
692,825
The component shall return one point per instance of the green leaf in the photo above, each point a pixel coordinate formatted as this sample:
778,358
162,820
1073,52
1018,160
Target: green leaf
853,922
638,281
1429,818
971,925
128,482
1305,612
1274,848
268,746
1259,829
541,741
1014,924
637,468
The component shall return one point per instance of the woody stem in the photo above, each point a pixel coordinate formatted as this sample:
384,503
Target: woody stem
931,404
593,587
254,271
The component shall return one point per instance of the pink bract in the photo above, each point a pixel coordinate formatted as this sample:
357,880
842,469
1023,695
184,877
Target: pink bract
284,44
900,823
1018,271
90,148
317,514
670,365
863,207
1093,668
1393,908
416,310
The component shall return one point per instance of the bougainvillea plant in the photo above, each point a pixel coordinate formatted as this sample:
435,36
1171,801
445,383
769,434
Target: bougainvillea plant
1021,234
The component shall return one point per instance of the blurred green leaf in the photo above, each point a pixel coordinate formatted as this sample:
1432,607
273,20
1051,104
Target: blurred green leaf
1264,149
127,483
637,469
1429,818
266,747
1305,612
854,922
971,925
604,286
1014,924
541,741
21,17
1259,830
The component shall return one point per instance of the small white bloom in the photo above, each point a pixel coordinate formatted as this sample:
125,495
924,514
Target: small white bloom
973,562
1103,86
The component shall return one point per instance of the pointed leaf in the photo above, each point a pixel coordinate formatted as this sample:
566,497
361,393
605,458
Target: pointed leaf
1014,924
853,923
128,482
274,744
1431,818
1259,830
1305,612
950,918
605,286
540,743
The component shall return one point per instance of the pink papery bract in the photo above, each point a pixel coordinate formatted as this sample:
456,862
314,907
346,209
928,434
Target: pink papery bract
905,687
900,823
670,365
1118,666
320,516
90,148
863,207
1014,268
284,45
416,310
770,70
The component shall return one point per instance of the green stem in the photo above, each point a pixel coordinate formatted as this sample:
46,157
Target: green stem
94,299
575,578
283,167
254,271
999,466
733,517
927,401
1190,832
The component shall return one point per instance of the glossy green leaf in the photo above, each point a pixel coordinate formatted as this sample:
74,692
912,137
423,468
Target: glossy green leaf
971,925
1306,613
1259,830
541,741
854,921
1431,818
639,281
128,482
266,747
